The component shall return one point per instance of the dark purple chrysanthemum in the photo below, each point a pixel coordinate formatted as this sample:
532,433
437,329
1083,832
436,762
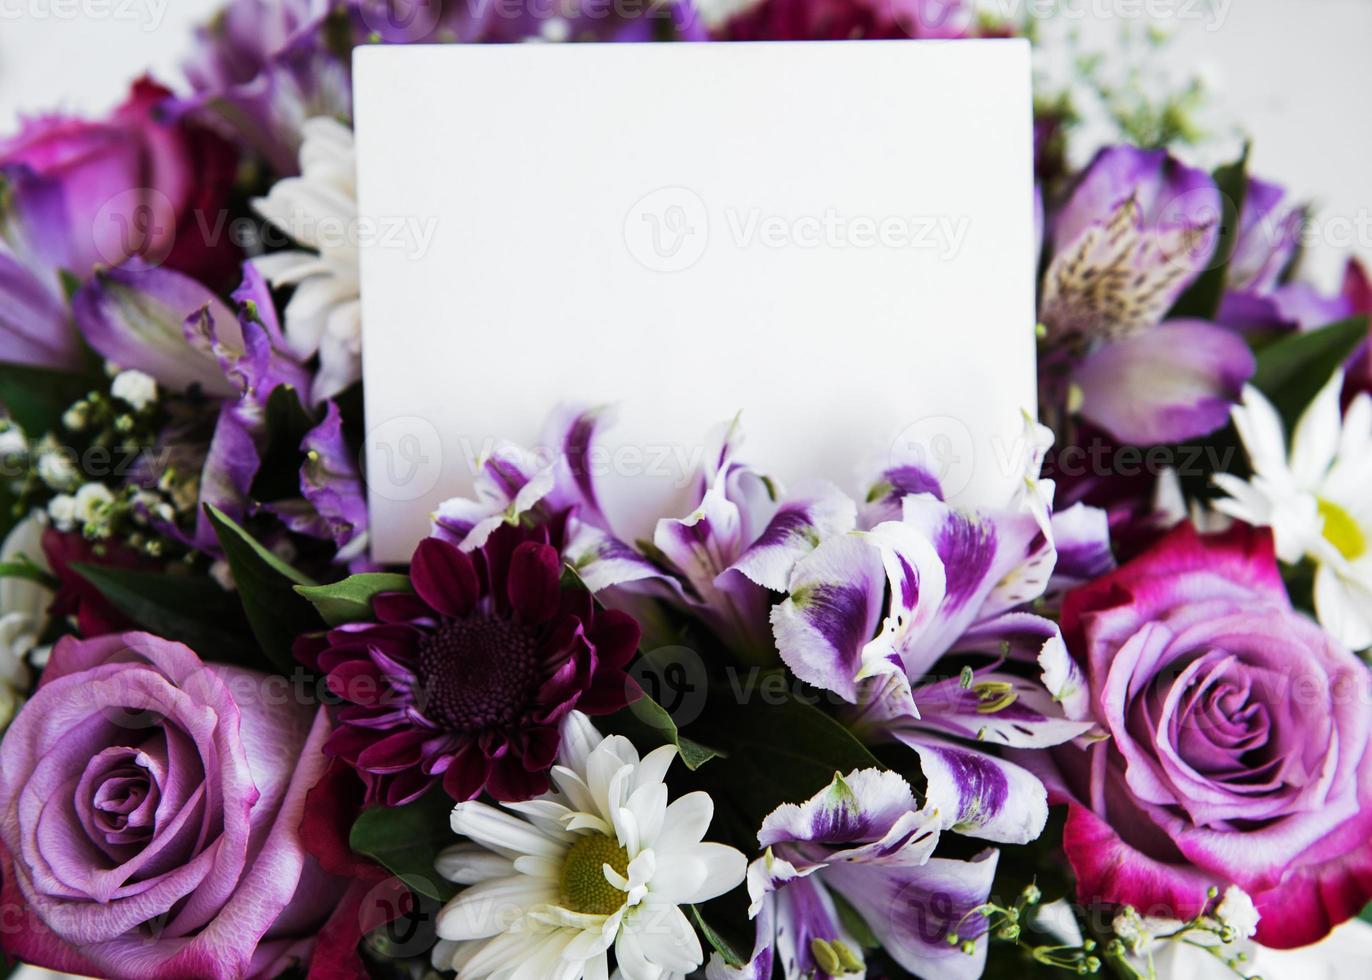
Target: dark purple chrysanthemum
465,679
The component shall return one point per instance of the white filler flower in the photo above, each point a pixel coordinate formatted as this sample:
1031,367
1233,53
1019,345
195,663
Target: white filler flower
1315,498
601,861
318,209
23,611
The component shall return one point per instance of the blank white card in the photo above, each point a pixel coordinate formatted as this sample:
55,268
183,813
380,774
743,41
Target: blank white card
834,239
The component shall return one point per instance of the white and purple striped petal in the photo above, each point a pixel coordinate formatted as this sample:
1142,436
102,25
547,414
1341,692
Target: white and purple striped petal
812,515
861,806
836,601
891,485
978,794
996,708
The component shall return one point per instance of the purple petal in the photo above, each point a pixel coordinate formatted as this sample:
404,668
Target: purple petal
912,910
1176,381
332,483
1268,235
34,325
135,316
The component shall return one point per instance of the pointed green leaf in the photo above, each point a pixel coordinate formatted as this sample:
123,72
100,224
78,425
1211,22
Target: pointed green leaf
405,840
266,589
350,601
1291,371
189,609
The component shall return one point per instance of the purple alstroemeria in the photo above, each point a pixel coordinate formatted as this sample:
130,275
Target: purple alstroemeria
863,840
722,562
726,560
136,315
871,615
1258,295
513,483
1135,233
177,331
261,68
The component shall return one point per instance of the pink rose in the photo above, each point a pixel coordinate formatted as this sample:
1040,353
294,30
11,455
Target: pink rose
150,811
1238,750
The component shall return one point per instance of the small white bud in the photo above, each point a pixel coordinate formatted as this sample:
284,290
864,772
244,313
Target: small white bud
135,389
12,441
57,470
62,510
1237,911
90,500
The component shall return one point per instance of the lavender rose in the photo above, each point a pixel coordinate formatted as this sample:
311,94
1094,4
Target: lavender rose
150,807
1238,750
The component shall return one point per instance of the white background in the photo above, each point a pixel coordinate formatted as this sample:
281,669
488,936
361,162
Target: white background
1296,73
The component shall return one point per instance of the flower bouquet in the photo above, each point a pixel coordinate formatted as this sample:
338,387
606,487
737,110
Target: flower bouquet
1117,724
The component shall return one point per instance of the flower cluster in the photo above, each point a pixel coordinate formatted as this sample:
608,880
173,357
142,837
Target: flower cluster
1118,721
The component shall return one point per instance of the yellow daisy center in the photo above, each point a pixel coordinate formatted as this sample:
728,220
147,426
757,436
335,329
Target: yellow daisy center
1342,531
584,888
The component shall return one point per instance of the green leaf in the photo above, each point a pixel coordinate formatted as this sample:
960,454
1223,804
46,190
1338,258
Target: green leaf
37,398
1291,371
646,720
406,840
717,942
350,600
189,609
287,423
779,749
1202,299
266,589
23,567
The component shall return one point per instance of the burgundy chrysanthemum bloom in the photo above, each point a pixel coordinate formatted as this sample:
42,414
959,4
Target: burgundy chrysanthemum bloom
466,678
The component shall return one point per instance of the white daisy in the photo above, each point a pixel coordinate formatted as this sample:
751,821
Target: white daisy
601,861
1315,498
318,209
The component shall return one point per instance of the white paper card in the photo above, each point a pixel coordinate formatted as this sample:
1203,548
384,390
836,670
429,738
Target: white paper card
836,239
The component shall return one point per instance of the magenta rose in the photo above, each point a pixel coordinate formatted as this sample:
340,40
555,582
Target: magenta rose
150,811
136,183
1238,749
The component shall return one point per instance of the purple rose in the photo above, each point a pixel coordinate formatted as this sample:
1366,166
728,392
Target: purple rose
1238,750
150,807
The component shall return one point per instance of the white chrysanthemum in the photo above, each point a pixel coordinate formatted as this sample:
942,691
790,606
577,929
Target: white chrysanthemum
1315,498
318,209
601,861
